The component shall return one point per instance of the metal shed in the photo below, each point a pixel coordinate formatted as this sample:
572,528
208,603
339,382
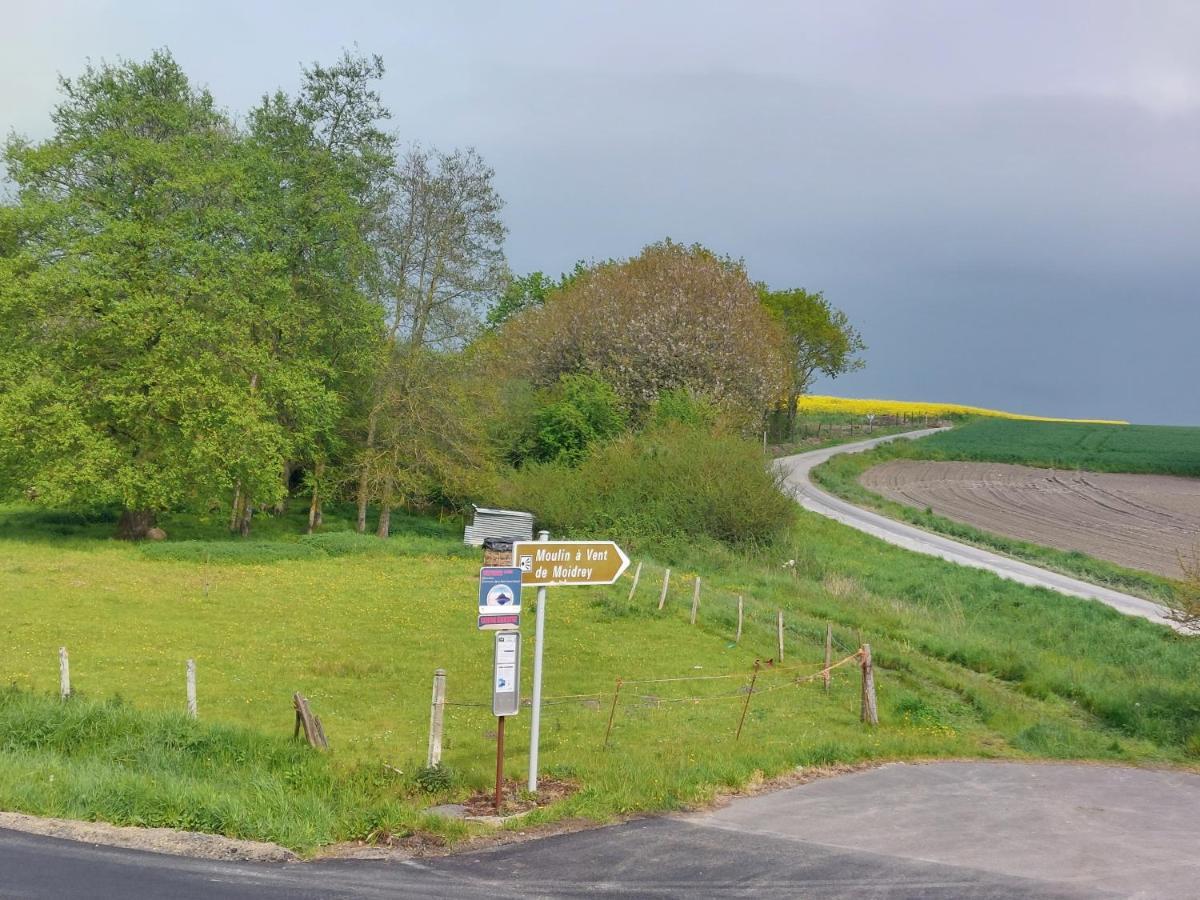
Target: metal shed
499,523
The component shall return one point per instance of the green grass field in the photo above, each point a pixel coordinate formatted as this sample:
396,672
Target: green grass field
967,665
1160,449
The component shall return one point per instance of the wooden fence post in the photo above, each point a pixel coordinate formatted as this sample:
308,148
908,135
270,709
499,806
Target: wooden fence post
746,705
612,713
827,677
870,710
191,688
314,731
696,600
437,710
738,638
779,633
662,598
636,575
64,674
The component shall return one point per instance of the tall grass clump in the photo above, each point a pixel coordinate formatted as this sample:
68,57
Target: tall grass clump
106,760
671,481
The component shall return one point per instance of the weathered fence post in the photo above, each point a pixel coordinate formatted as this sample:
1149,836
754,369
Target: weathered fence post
437,710
191,688
64,673
612,713
779,632
870,711
662,598
827,676
746,705
636,575
314,731
738,638
696,600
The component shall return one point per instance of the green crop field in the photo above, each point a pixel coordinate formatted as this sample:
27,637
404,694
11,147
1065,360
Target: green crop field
967,665
1161,449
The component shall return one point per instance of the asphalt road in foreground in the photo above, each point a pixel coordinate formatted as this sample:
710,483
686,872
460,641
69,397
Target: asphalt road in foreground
797,469
941,830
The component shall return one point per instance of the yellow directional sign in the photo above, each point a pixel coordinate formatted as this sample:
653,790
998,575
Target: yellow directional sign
569,562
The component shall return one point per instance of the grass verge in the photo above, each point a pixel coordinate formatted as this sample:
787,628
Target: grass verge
105,760
967,666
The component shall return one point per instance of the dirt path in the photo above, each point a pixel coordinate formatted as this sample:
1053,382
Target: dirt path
1139,521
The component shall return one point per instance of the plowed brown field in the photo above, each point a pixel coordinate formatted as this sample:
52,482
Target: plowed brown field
1139,521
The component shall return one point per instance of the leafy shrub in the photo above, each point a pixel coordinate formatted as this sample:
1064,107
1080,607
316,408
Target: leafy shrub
579,412
435,779
684,408
665,483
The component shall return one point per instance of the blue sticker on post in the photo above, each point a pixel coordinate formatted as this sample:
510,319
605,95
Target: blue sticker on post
499,598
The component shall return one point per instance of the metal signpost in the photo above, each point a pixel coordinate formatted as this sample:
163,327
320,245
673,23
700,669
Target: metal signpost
544,562
506,695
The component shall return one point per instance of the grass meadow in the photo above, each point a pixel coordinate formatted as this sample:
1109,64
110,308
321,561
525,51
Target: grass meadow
968,665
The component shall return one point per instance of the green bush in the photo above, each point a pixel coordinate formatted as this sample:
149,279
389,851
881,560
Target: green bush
579,412
684,408
666,483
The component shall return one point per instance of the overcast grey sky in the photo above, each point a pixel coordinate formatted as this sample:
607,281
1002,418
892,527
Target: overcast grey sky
1004,196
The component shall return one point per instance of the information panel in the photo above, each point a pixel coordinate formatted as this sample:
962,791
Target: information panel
506,679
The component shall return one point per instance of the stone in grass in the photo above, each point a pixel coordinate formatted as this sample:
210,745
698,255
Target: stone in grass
156,534
449,811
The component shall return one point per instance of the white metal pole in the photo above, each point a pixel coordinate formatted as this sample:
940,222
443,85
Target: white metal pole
536,721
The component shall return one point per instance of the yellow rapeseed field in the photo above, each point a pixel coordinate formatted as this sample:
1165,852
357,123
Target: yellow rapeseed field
812,404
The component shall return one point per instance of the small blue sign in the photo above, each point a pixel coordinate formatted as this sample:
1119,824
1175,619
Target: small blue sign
499,598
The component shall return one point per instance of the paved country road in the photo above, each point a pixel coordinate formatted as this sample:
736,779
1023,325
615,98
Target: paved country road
941,830
796,470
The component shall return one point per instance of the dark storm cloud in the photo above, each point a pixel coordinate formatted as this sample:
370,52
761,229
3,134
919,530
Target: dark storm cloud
1005,197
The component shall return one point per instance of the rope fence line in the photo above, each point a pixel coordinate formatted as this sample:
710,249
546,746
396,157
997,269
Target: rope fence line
600,695
734,608
745,692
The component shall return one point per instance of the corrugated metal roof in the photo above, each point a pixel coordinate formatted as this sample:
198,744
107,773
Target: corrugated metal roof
499,523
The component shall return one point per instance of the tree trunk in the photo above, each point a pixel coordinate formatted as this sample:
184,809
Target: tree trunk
791,415
314,508
361,525
134,523
235,514
385,509
281,506
247,512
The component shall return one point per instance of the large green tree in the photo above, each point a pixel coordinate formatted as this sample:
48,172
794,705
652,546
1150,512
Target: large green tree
440,252
820,340
128,297
675,317
182,306
322,164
